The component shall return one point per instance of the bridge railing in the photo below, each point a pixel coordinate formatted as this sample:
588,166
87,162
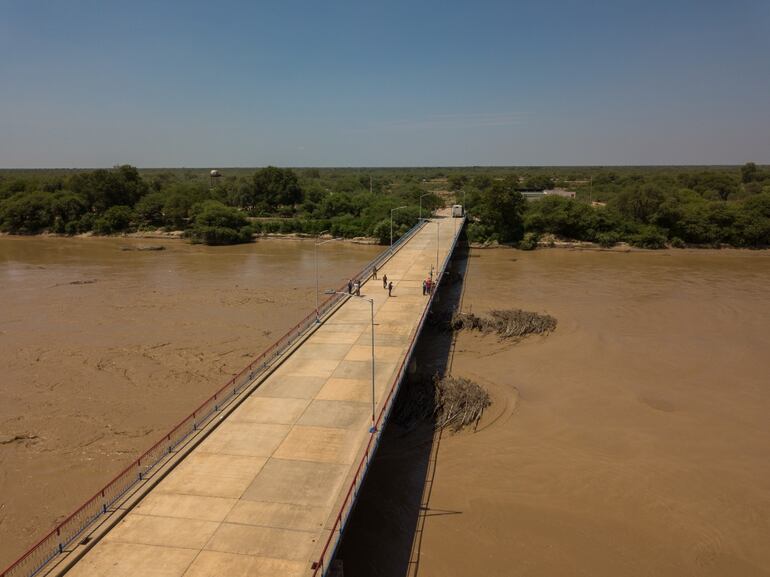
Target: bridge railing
321,565
69,530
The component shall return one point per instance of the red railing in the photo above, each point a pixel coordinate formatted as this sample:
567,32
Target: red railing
54,543
321,566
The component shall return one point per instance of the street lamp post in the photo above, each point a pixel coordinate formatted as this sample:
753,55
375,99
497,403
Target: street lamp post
421,196
317,244
438,228
373,428
392,210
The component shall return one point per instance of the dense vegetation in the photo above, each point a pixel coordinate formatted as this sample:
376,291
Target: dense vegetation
649,208
646,206
269,200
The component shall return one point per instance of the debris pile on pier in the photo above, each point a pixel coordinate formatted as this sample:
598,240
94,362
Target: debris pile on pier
459,403
508,324
444,402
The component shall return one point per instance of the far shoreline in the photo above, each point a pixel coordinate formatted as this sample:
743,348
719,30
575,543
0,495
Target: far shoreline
562,244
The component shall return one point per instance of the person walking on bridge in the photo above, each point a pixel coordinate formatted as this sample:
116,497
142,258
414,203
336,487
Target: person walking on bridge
390,289
385,281
350,286
374,272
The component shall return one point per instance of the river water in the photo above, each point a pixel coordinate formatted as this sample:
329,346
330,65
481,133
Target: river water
634,440
103,348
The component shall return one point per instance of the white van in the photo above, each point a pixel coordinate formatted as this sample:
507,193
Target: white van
457,211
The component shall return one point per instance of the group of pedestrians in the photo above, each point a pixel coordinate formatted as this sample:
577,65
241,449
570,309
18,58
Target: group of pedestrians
354,288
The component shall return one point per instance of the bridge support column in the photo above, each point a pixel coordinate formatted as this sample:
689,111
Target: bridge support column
335,569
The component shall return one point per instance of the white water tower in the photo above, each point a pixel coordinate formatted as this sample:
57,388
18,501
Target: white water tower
213,175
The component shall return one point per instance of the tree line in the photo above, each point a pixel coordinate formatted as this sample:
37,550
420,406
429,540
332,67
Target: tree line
650,207
230,210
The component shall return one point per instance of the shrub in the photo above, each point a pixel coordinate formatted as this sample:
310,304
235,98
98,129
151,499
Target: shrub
649,237
529,242
115,219
607,239
219,235
26,213
677,242
217,224
478,232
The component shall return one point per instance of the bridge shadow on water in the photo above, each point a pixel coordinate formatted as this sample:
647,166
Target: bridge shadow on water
384,533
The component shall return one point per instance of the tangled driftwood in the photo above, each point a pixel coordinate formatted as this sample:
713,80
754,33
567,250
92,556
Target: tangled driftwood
446,402
459,403
514,323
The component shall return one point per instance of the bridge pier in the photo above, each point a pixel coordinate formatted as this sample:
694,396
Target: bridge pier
336,569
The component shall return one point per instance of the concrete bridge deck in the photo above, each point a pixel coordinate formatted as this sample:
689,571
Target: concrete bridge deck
259,496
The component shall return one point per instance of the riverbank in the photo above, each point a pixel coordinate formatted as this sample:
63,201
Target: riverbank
180,235
555,242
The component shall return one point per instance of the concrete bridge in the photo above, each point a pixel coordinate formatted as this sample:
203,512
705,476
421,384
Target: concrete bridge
265,485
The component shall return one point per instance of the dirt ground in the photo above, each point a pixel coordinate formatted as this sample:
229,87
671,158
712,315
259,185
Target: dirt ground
103,348
632,441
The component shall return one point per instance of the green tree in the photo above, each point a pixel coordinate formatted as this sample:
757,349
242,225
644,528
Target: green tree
115,219
149,209
639,203
748,172
66,209
26,213
276,186
215,223
502,208
106,188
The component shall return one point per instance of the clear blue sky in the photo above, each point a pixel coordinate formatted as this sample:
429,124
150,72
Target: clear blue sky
388,83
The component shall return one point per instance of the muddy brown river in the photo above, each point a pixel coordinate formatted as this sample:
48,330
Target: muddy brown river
103,348
634,440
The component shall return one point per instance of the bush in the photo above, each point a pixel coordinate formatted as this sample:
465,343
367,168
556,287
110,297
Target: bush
26,213
219,235
381,231
217,224
478,232
529,242
607,239
649,237
677,242
115,219
86,223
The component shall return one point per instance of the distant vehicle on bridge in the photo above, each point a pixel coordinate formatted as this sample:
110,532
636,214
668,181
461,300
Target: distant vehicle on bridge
458,211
